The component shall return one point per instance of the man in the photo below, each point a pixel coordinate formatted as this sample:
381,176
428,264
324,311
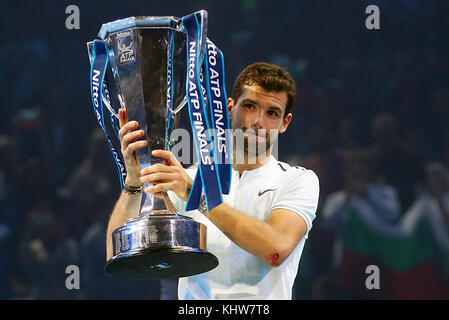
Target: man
258,232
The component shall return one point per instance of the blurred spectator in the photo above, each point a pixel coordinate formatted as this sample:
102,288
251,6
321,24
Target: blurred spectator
437,196
91,185
361,186
390,163
44,254
435,192
28,84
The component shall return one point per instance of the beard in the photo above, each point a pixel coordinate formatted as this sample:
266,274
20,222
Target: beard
252,143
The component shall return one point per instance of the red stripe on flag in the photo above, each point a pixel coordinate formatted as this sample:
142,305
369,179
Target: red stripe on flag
421,282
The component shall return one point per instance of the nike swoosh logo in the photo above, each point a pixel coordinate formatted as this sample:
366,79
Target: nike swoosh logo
262,192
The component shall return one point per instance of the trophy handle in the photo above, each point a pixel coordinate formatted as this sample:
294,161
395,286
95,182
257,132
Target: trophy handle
90,44
203,40
108,105
181,105
203,34
105,101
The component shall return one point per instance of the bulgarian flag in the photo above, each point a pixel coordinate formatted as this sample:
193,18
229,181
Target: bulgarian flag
412,255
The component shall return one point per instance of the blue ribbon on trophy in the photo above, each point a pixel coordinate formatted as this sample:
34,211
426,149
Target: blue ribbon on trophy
100,94
214,170
215,77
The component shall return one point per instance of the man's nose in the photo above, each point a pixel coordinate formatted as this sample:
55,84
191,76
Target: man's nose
257,121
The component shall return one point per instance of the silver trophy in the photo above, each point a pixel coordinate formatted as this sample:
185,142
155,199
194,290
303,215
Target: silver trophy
147,75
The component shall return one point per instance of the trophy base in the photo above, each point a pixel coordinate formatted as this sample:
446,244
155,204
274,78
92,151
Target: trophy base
159,246
156,264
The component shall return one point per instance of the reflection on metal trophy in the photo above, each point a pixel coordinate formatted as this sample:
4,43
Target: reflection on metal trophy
142,64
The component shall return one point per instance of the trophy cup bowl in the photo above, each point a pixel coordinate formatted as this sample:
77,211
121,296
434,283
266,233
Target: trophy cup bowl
147,68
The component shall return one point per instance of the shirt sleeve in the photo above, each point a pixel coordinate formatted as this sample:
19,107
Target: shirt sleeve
177,202
299,193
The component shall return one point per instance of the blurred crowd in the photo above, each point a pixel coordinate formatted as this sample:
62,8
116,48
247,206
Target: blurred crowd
370,119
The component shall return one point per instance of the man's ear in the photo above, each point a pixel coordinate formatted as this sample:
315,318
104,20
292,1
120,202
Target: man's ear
285,123
230,106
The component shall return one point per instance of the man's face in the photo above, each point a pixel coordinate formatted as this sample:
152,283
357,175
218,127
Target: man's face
259,115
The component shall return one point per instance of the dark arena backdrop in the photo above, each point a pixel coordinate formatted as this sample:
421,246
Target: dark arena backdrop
371,119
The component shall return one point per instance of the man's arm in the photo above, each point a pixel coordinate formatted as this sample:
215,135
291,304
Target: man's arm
127,207
272,240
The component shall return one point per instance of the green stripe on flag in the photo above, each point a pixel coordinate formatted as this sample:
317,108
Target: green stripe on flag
398,253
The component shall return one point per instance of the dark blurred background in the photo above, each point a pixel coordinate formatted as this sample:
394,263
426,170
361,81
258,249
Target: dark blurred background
371,119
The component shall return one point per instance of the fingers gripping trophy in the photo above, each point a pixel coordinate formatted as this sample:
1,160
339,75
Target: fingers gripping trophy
144,71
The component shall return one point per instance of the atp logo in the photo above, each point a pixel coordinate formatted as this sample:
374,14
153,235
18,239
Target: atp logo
125,47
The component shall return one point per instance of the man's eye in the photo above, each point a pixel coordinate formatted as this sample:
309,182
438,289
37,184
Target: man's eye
248,105
272,113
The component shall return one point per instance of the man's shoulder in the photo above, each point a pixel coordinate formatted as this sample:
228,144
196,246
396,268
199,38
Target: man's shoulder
291,171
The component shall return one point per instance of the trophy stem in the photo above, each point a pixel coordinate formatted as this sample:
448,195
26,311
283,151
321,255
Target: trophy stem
152,205
158,205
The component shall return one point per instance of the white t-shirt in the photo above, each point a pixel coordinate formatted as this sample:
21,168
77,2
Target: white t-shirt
241,275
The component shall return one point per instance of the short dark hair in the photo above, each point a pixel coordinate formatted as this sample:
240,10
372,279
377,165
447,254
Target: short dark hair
268,76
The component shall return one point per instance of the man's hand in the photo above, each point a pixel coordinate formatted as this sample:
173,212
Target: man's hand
167,176
128,136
